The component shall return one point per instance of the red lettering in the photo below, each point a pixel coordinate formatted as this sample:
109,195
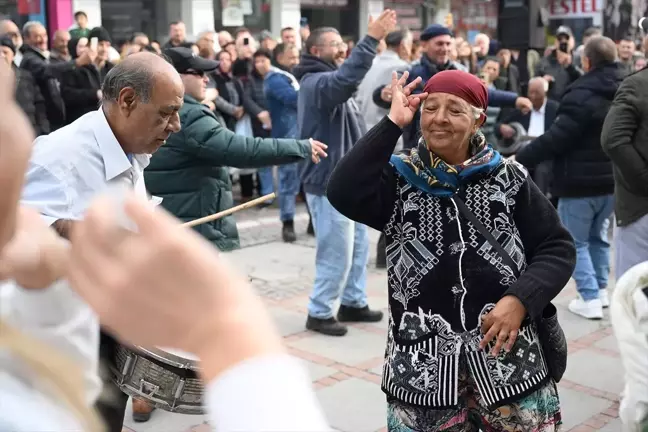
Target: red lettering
586,6
594,6
564,7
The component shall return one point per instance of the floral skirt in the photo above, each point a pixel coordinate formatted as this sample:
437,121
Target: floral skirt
537,412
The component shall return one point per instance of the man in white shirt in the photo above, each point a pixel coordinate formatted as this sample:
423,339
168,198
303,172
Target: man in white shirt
111,146
535,122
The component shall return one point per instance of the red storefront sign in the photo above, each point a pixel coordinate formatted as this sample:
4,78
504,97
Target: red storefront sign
29,7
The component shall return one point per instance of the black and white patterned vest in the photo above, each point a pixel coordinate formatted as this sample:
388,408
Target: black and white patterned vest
443,278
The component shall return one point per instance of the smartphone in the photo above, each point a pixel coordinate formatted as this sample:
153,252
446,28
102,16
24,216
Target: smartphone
94,42
563,47
246,41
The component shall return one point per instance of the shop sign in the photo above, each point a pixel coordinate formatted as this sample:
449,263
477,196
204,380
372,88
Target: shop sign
574,8
29,7
324,3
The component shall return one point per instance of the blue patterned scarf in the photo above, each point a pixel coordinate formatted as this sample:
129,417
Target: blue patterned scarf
429,173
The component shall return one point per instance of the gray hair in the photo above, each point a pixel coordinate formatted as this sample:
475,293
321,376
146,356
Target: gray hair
544,82
29,25
600,50
136,75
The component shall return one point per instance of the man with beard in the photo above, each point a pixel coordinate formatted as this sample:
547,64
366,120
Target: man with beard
327,112
281,90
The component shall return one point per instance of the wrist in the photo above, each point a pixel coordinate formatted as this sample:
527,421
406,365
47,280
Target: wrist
399,124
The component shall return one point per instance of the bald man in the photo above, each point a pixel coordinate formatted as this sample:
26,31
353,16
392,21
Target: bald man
59,51
111,146
8,27
583,179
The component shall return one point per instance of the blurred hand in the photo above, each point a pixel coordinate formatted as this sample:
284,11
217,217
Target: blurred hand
507,131
523,104
317,150
36,256
503,324
165,286
238,113
386,93
404,104
264,117
88,57
210,104
564,59
16,137
383,25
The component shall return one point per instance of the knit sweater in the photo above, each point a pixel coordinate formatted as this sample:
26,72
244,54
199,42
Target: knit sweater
444,276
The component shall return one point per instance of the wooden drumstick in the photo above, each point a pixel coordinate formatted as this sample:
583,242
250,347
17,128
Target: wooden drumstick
229,211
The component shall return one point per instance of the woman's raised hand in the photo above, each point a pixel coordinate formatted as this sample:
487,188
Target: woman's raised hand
404,103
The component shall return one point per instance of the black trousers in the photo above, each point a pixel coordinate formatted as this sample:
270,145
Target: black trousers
113,409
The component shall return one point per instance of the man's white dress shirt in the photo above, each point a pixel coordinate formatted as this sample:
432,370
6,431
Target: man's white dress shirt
67,170
537,121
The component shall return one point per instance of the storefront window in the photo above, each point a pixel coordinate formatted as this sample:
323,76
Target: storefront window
122,18
340,14
411,14
475,16
19,11
232,14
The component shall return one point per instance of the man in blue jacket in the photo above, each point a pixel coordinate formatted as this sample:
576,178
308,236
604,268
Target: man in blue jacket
326,111
281,90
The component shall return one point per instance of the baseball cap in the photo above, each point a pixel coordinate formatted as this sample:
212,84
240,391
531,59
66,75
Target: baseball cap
184,59
564,30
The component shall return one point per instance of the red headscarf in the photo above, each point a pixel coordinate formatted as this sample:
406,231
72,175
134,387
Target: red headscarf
461,84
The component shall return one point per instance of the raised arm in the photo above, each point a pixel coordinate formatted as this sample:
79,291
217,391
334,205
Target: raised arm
219,146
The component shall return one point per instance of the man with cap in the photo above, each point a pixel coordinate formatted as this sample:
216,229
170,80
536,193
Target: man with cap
28,94
558,66
436,58
191,172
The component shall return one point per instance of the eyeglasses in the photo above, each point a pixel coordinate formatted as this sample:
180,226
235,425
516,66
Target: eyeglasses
200,74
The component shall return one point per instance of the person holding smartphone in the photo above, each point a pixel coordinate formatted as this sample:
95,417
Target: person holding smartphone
558,66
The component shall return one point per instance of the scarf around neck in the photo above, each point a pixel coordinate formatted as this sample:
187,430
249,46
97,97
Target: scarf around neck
429,173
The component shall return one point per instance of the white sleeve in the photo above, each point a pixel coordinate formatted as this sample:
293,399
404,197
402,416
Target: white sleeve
265,394
59,317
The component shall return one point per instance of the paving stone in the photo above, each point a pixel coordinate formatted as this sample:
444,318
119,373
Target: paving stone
163,421
354,405
609,343
288,322
614,426
317,371
578,407
356,347
595,370
575,326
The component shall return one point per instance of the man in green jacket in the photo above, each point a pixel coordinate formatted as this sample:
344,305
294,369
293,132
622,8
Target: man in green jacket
191,171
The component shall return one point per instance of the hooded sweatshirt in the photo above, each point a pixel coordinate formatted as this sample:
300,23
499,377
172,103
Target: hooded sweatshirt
326,110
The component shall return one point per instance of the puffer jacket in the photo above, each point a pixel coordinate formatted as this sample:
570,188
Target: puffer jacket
573,142
190,172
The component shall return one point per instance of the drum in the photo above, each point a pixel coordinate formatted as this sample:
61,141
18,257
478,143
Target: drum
165,378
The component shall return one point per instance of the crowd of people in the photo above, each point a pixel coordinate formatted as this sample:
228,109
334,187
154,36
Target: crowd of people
481,166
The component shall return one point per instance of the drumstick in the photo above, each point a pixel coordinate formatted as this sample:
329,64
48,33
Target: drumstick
229,211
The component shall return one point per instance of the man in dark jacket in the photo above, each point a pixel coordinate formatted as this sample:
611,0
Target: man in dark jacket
190,172
281,90
28,94
48,75
327,111
558,67
583,180
625,140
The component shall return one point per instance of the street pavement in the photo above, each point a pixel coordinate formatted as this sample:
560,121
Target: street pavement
346,371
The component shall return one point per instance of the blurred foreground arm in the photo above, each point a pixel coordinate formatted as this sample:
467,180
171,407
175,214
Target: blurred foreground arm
222,321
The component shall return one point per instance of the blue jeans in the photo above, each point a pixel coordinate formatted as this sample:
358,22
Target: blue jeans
266,178
340,261
588,220
288,189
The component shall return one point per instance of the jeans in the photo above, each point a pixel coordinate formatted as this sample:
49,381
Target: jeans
266,178
341,259
588,220
288,189
631,245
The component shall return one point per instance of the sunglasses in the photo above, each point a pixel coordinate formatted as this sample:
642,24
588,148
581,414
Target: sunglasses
200,74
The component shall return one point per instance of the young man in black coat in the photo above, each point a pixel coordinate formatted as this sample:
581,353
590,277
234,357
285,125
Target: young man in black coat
583,179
